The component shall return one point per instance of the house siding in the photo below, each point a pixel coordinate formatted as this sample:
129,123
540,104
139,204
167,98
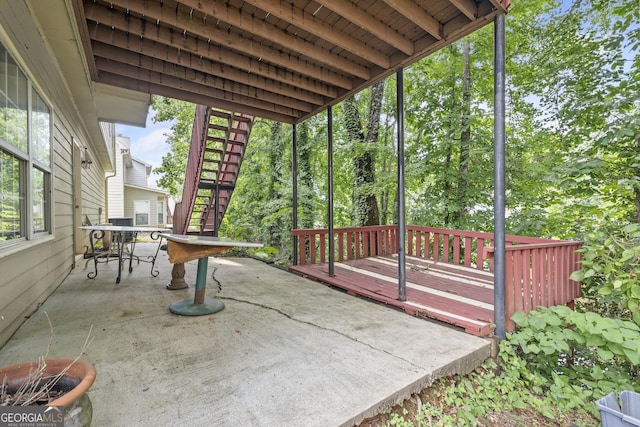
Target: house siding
115,183
136,174
132,194
130,184
32,270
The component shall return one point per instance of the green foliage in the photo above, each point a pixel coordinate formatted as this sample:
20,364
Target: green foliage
558,362
610,271
576,357
174,163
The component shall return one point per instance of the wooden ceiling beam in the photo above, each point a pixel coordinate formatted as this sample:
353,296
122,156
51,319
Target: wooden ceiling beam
215,51
410,10
105,61
143,76
218,10
369,23
468,7
221,10
502,5
104,36
256,56
196,98
306,21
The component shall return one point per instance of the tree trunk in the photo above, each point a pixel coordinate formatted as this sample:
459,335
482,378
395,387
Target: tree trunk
465,137
366,204
386,169
447,184
306,178
275,163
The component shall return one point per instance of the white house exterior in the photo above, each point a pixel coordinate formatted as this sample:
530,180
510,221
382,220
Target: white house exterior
57,152
129,195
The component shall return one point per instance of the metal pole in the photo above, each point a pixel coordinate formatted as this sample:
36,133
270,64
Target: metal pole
330,187
499,138
294,178
402,266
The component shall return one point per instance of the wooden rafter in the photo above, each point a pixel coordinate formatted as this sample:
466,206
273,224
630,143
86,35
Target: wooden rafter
281,59
264,77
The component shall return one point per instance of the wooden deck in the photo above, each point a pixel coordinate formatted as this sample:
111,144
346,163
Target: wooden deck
449,272
458,295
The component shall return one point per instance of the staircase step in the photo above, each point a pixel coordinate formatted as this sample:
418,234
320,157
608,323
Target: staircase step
222,140
212,186
218,151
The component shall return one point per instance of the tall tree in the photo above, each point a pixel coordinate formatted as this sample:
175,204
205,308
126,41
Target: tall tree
174,164
305,173
366,135
465,132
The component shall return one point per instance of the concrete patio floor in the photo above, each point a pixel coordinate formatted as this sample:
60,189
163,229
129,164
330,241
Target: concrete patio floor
285,351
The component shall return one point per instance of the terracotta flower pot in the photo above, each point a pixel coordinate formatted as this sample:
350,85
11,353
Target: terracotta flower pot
76,381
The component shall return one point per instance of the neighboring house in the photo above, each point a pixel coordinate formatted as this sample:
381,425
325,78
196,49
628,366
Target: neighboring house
57,151
129,195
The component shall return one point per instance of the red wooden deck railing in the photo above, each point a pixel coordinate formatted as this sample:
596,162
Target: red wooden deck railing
536,273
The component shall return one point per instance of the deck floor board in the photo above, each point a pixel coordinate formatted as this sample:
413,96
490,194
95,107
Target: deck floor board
453,294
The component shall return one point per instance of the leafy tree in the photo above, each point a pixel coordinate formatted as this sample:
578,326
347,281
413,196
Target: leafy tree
571,78
448,155
364,135
174,164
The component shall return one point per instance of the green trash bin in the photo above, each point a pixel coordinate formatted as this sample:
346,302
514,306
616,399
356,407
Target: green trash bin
620,409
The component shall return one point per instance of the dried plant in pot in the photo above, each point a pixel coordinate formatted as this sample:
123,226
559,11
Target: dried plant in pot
51,382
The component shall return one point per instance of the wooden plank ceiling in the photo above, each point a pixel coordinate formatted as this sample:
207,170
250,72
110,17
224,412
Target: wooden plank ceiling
283,60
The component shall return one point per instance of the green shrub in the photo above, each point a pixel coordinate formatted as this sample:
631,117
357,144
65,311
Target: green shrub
610,272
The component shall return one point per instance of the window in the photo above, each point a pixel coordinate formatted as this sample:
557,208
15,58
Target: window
160,211
25,156
141,212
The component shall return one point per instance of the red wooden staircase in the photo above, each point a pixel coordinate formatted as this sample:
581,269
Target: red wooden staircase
218,142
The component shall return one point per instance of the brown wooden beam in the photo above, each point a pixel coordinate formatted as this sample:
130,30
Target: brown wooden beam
224,12
146,86
108,53
502,5
142,46
369,23
306,21
139,73
216,52
180,18
410,10
468,7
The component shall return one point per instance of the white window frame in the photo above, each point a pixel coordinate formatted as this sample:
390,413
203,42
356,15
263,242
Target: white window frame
161,211
29,164
136,211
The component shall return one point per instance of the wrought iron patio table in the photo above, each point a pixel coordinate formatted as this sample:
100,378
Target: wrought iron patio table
121,236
